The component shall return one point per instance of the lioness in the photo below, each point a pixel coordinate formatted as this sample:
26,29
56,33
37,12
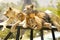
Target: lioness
47,19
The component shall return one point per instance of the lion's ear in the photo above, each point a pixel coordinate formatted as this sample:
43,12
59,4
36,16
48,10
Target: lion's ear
32,6
10,8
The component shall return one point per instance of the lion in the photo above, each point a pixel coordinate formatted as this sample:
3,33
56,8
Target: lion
48,20
35,15
14,16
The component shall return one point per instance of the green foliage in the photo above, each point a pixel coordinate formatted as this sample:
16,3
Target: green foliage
4,33
20,7
58,8
54,10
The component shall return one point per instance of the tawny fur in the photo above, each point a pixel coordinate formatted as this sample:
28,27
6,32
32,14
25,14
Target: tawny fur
32,19
42,15
14,16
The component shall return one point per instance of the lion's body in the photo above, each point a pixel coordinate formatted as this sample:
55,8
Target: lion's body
48,20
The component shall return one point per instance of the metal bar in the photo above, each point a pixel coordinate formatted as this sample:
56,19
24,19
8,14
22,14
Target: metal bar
44,28
18,33
31,34
53,35
41,33
7,36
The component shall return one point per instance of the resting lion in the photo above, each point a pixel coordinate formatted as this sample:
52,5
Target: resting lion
49,20
37,17
14,16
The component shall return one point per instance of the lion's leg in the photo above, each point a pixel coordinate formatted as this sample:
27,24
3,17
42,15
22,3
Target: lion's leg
22,31
5,23
56,25
23,23
13,28
48,25
4,26
39,22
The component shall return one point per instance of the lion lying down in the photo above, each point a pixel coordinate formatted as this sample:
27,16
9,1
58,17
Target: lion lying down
26,20
36,17
15,17
47,20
